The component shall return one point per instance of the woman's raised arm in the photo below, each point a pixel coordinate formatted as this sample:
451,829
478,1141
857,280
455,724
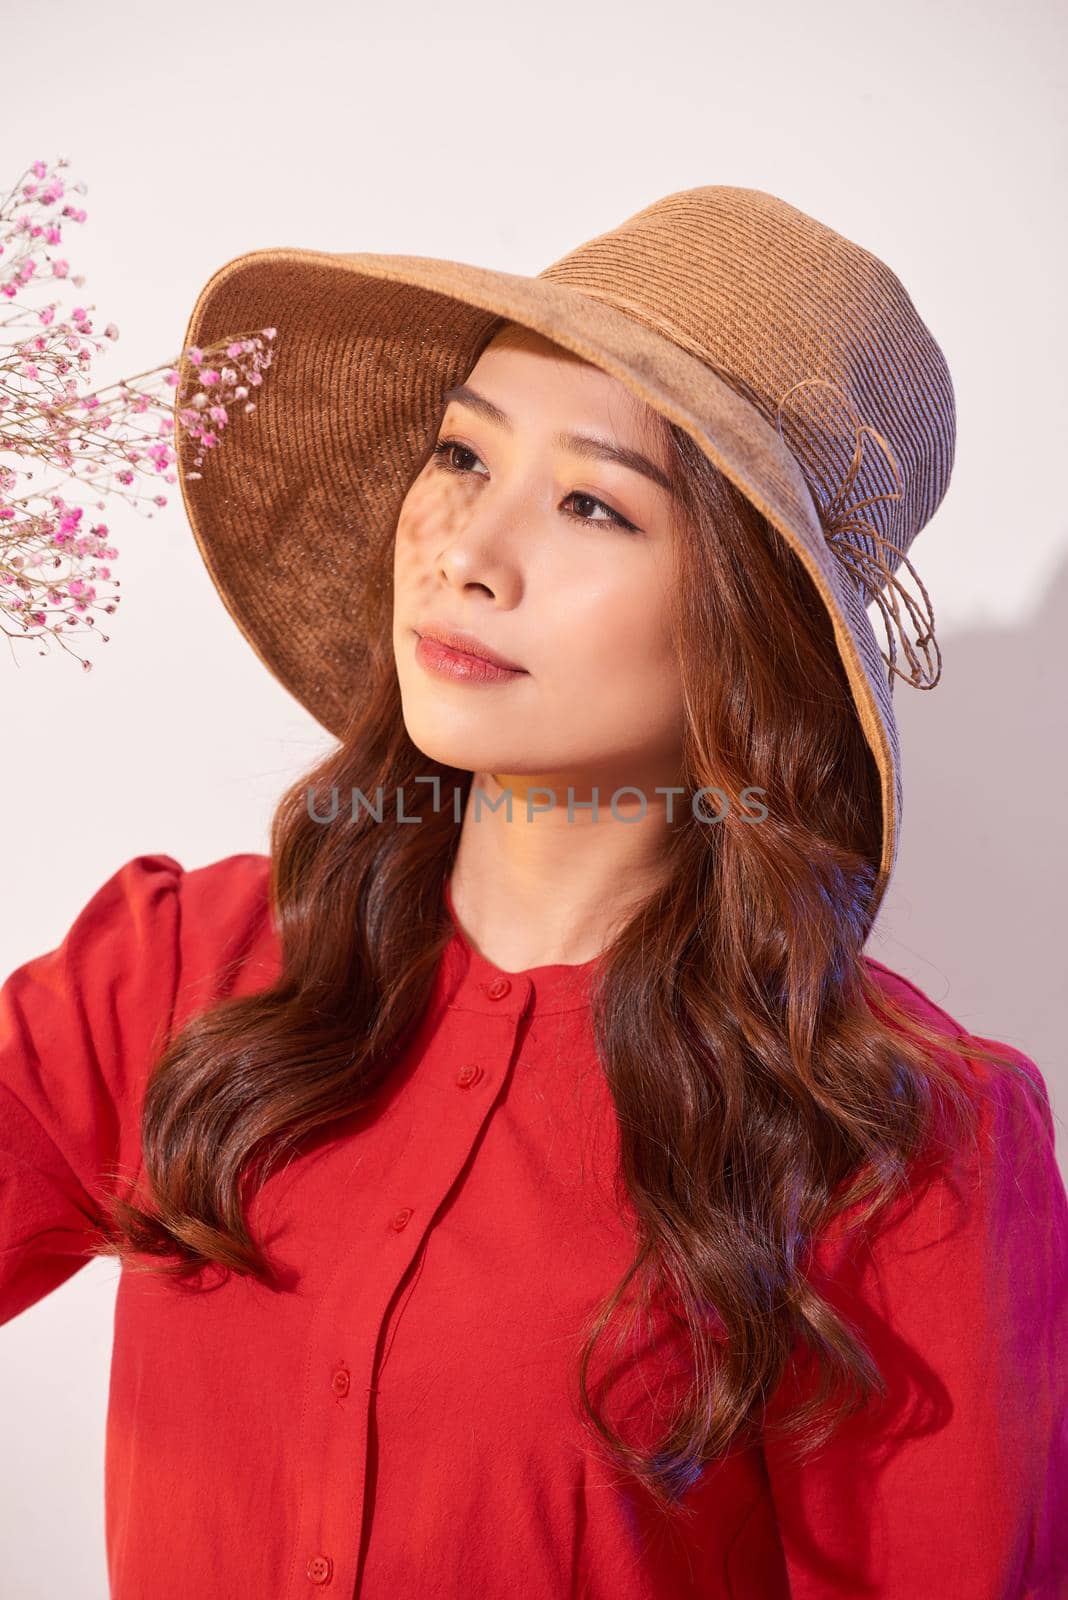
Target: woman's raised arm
79,1029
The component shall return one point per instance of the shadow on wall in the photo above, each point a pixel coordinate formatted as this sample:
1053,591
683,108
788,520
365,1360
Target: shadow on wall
976,912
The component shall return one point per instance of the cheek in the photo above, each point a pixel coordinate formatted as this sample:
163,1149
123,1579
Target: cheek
615,625
612,669
411,520
418,516
427,519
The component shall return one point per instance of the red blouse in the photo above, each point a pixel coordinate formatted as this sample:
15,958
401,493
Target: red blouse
403,1421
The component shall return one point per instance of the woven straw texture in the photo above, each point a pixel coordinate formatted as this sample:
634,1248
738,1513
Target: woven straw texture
712,305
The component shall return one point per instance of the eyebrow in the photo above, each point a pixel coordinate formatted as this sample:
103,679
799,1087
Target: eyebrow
582,444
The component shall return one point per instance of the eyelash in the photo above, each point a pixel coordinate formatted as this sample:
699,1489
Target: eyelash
440,457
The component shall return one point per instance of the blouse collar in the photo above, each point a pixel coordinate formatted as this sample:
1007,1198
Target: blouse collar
472,983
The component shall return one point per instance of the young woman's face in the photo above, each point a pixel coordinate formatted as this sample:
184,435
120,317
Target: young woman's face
514,537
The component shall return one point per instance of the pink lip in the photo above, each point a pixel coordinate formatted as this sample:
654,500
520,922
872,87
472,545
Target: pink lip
462,658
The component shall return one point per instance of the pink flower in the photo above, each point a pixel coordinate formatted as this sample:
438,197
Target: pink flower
48,581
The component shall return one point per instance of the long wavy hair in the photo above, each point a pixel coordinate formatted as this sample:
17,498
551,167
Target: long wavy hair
765,1082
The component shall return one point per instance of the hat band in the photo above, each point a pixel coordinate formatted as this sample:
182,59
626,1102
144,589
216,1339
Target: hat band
651,320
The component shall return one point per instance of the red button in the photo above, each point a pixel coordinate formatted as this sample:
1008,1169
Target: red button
400,1218
320,1569
340,1381
469,1074
498,988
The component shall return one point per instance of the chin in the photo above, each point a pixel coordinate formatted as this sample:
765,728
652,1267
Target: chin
451,747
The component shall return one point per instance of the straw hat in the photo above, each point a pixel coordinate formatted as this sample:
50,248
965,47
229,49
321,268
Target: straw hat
794,357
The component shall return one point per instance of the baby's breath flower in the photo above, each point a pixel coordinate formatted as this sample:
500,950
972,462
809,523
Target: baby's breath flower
54,572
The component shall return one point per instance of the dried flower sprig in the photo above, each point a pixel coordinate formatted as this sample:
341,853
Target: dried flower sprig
55,574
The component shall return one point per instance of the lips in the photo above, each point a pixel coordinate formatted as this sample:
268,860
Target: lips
461,665
467,644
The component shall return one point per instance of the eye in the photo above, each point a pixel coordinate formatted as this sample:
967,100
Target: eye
443,459
443,451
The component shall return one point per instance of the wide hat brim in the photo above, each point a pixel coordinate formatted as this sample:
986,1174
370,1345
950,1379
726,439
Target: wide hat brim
290,510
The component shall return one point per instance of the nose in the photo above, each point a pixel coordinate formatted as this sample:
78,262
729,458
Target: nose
484,549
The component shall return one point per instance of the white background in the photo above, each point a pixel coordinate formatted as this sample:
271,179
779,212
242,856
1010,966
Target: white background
933,135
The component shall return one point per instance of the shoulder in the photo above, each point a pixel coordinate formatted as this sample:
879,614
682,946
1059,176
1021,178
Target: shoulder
224,901
227,939
152,896
155,929
1019,1069
958,1293
1003,1182
82,1025
909,995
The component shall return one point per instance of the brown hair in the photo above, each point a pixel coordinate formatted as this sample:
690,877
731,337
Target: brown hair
765,1082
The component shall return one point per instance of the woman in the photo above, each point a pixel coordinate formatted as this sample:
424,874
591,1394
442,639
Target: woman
540,1190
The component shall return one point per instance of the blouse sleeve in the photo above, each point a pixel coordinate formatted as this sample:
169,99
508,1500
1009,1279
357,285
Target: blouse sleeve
79,1029
957,1482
